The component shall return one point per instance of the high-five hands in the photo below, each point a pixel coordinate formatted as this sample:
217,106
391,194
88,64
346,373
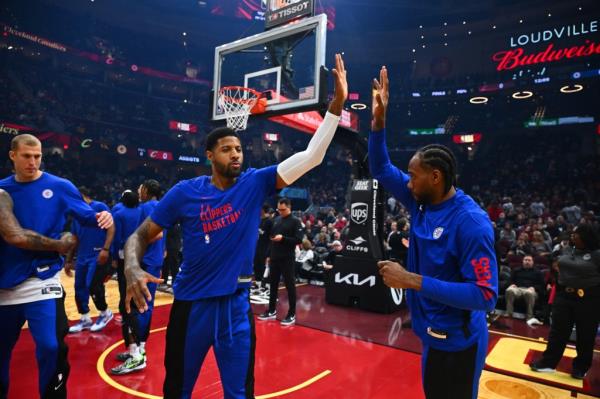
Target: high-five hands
381,96
341,86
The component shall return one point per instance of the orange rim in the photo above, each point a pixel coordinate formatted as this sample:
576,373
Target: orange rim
231,99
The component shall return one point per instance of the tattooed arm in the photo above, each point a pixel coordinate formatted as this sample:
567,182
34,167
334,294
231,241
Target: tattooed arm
137,279
12,232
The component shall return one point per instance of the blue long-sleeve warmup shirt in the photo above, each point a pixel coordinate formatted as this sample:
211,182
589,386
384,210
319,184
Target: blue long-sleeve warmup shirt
452,247
91,238
42,206
126,221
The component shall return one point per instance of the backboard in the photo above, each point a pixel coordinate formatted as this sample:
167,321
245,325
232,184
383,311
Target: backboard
284,63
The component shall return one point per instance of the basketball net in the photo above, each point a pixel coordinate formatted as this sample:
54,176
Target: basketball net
238,103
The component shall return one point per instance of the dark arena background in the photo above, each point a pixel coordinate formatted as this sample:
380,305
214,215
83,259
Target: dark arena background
122,91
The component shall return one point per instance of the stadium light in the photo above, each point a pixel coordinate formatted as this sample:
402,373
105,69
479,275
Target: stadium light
520,95
571,89
478,100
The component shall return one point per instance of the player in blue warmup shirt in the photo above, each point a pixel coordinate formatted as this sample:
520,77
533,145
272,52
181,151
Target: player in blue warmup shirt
451,272
127,219
138,323
30,288
91,269
219,215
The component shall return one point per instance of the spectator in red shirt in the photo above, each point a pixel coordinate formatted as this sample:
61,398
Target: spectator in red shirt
494,211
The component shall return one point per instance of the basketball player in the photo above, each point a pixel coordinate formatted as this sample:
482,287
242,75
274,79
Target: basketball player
30,287
220,215
139,322
452,272
93,248
127,219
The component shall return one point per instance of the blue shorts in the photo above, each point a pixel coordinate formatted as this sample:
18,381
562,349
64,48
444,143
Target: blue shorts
225,323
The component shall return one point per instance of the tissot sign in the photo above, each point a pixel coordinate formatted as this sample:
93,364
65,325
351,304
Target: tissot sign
283,11
519,54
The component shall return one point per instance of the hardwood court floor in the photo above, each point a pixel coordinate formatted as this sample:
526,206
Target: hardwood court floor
332,352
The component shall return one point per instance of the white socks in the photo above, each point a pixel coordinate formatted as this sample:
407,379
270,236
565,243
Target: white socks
134,351
137,351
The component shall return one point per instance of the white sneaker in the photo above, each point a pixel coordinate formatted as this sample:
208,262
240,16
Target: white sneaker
534,322
102,321
130,365
83,324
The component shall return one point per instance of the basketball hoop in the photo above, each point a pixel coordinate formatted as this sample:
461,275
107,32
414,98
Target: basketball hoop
237,103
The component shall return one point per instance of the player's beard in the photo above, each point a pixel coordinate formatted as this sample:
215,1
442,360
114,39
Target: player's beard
228,170
423,198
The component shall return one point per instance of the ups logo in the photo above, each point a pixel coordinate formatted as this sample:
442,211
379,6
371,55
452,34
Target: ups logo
359,212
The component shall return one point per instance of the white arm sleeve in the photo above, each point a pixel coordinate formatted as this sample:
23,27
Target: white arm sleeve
298,164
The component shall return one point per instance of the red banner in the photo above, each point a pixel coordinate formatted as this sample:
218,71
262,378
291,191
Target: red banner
160,155
309,122
11,128
55,138
467,138
183,127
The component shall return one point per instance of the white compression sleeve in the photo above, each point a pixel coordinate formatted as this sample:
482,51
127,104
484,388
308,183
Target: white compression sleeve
298,164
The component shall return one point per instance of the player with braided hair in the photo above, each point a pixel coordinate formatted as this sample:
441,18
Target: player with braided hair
451,271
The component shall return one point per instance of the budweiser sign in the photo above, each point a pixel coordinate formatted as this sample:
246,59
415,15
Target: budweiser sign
511,59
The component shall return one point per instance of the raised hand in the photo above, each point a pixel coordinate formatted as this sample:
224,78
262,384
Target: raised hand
341,86
381,96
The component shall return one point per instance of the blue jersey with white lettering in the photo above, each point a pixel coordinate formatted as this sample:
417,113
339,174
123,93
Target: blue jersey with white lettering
220,230
156,251
452,246
91,239
42,206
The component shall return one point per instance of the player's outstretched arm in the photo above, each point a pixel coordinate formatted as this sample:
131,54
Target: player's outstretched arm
12,232
380,165
137,279
379,160
300,163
